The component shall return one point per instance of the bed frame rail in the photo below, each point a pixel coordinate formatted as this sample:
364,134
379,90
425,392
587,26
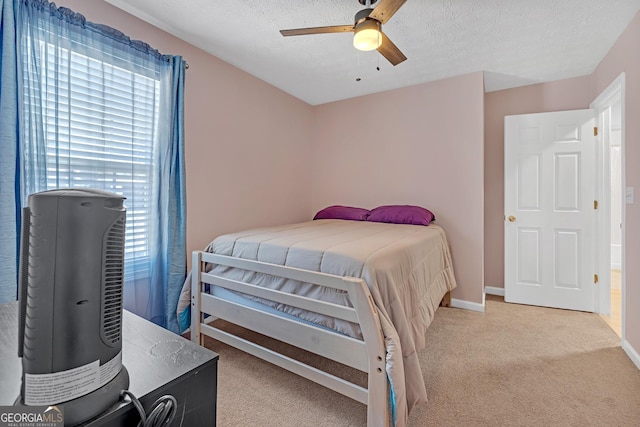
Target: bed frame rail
367,355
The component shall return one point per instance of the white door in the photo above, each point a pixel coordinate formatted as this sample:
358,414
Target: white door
549,209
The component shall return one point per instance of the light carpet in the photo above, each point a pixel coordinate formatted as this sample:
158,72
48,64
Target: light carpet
513,365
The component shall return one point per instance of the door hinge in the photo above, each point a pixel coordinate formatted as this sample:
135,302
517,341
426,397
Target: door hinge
595,204
595,131
595,278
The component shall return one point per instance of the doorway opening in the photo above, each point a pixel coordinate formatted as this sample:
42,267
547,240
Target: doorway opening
609,107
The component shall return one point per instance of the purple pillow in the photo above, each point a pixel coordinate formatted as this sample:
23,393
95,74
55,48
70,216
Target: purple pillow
401,214
342,212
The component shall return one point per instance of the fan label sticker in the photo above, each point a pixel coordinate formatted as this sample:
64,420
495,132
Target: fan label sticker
48,389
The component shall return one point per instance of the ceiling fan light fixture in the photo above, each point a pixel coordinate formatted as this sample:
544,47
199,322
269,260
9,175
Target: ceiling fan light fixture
367,35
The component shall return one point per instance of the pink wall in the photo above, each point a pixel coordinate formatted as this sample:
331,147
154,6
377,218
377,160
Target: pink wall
569,94
625,57
417,145
421,145
247,143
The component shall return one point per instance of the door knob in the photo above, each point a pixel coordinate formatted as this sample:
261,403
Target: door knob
512,218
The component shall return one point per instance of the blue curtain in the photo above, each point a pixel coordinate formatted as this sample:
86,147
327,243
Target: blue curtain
9,180
176,212
67,63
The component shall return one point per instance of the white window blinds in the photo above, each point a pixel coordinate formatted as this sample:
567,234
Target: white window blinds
99,124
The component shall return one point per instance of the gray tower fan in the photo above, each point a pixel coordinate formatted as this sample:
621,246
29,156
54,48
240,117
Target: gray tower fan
71,279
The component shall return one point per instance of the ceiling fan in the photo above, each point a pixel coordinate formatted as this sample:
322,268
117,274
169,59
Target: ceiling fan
367,29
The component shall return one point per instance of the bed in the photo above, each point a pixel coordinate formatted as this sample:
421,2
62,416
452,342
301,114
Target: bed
358,292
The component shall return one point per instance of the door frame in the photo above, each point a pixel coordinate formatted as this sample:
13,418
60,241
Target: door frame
614,92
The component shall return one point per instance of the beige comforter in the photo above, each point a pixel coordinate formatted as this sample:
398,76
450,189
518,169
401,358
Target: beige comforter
407,267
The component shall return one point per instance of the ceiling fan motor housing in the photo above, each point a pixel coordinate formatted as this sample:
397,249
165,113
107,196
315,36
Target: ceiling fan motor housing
362,16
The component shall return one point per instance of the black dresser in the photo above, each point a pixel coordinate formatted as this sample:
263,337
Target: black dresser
158,361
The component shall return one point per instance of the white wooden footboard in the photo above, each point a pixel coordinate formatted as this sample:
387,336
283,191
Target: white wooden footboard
367,355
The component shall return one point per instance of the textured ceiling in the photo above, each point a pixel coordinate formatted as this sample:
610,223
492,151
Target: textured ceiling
515,42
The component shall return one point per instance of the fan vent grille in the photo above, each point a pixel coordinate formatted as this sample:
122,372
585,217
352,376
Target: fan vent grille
113,273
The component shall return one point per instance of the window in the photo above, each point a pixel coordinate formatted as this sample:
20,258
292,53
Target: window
98,126
100,110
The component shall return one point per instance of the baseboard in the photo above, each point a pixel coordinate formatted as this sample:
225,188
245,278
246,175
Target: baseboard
631,352
490,290
467,305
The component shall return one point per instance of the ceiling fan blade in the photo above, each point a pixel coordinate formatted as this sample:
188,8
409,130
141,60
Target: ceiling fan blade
386,9
317,30
390,51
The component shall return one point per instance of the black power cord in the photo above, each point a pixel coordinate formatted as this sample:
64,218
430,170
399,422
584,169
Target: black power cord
161,413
